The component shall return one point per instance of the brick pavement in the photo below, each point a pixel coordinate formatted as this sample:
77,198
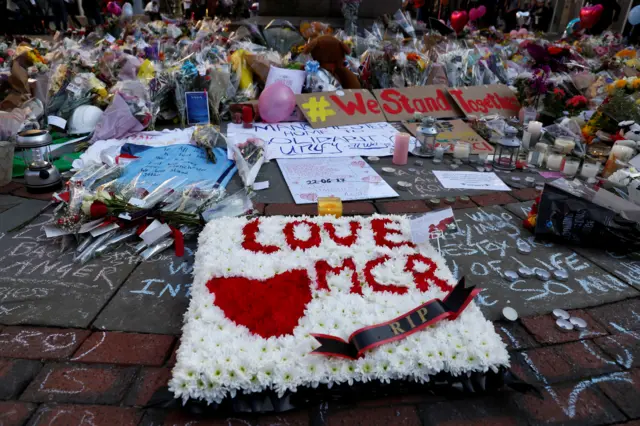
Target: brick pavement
52,376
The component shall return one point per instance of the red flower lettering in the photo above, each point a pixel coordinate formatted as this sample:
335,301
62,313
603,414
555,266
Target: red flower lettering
343,241
375,285
295,243
422,278
323,268
380,232
250,231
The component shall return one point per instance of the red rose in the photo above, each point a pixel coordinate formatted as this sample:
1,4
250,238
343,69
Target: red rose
98,209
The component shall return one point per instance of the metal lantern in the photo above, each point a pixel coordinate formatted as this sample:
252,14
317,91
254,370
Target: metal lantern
426,138
507,148
40,174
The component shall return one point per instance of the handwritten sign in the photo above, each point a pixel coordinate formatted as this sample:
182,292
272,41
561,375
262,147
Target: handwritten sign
301,140
485,100
339,108
471,180
452,131
348,178
189,163
402,103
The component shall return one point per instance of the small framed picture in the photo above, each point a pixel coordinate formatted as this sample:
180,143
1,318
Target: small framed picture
197,108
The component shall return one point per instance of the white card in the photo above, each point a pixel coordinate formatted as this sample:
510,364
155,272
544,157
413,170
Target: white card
57,121
259,186
155,232
110,38
483,181
293,79
430,225
53,231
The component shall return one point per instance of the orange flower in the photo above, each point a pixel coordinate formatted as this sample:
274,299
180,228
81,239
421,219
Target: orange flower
626,53
413,57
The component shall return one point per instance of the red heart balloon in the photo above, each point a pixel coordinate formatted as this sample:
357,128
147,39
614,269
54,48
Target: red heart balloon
459,19
267,308
590,15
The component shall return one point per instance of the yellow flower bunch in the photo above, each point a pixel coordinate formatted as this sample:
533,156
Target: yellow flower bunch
630,84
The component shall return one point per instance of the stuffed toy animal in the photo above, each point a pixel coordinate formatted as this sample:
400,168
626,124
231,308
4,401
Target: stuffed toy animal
330,53
629,131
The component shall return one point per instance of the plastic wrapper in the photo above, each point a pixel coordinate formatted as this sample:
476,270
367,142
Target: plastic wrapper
404,22
207,137
90,252
249,157
137,97
318,79
249,31
144,199
282,36
116,241
238,204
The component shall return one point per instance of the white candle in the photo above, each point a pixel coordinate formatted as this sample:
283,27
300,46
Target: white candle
590,170
461,150
535,128
621,152
570,167
564,145
554,161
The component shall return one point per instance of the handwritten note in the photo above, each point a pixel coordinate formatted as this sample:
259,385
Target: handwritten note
471,180
187,162
300,140
348,178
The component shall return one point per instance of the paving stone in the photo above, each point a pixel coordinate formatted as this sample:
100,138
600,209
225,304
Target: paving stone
620,316
24,211
520,209
94,415
405,416
625,393
493,199
485,245
624,348
488,411
15,375
39,342
291,209
259,207
562,363
171,362
148,382
154,297
14,413
10,187
41,285
579,404
625,267
403,207
180,417
76,383
358,209
515,335
525,194
124,348
543,328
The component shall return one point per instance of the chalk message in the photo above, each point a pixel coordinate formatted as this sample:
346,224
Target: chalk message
300,140
184,163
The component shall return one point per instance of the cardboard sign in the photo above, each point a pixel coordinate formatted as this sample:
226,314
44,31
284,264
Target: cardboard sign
402,104
339,108
456,130
486,100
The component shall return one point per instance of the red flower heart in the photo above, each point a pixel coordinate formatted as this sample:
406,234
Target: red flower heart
267,308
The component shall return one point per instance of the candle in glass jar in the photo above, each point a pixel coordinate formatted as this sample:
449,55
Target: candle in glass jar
564,145
401,149
439,154
329,206
590,170
535,128
621,152
554,161
461,151
570,167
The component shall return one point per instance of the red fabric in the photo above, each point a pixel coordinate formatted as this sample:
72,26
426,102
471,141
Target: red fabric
267,308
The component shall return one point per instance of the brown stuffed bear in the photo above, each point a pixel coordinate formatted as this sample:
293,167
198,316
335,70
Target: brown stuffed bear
329,52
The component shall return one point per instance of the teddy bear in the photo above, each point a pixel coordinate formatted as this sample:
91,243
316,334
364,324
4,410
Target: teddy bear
330,53
630,131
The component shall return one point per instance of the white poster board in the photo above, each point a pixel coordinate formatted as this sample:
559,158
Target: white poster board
348,178
300,140
471,180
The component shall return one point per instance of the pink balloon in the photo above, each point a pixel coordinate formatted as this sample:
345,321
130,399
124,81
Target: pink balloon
599,7
482,10
513,33
114,8
523,32
276,102
473,14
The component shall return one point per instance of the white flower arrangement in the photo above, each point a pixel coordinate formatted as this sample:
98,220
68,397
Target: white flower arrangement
218,357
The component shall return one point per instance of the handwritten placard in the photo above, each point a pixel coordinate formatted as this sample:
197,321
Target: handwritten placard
452,131
348,178
485,100
186,162
339,108
402,103
471,180
301,140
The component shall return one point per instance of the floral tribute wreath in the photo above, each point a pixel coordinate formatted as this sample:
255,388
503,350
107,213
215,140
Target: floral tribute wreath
280,303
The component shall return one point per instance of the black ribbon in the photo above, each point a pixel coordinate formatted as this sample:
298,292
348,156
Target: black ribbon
398,328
